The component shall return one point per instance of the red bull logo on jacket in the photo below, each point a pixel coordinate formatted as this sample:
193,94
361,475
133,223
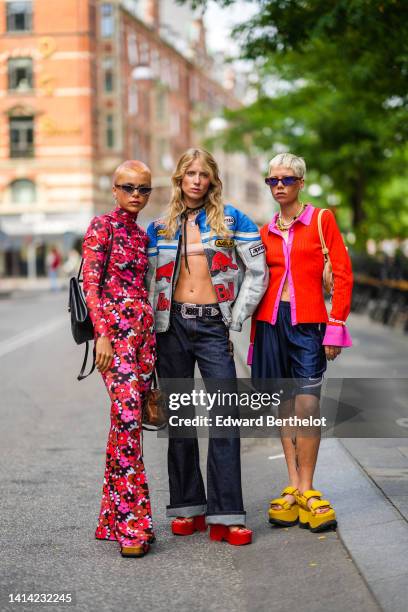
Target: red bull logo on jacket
165,271
221,263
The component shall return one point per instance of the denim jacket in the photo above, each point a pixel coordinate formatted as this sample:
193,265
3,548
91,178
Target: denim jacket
236,265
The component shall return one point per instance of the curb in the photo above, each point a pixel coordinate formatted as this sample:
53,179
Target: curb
371,529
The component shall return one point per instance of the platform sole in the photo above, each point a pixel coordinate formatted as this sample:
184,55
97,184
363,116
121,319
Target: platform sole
327,526
280,523
134,552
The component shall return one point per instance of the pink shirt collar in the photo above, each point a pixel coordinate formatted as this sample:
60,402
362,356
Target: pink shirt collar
305,217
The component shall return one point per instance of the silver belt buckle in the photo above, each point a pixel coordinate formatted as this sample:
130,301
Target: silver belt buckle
214,311
185,314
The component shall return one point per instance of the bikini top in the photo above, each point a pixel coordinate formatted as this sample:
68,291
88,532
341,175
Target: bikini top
193,248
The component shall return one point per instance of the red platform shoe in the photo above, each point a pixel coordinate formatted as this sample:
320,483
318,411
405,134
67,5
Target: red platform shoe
238,537
181,526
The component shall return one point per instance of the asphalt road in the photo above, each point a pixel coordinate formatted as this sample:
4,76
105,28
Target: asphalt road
52,445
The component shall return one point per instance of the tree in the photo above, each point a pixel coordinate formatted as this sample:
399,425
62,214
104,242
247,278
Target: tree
343,105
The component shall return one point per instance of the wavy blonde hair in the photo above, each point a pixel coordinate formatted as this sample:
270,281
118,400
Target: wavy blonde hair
213,204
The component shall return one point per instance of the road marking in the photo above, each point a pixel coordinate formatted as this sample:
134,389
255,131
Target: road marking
26,337
276,456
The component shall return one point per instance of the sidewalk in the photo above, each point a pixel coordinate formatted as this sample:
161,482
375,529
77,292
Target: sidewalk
9,286
367,478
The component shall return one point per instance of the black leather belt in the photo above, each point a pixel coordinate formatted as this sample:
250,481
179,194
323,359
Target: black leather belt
191,311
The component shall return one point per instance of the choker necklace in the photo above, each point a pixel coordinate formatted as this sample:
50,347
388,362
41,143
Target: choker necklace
192,212
284,226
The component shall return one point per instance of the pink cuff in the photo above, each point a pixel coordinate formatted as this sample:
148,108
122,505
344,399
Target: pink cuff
337,335
250,354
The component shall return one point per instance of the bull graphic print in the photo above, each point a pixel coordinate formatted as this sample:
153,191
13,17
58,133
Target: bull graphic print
219,262
165,271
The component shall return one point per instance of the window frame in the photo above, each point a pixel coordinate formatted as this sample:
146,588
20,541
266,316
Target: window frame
28,17
12,189
30,71
110,133
26,151
107,20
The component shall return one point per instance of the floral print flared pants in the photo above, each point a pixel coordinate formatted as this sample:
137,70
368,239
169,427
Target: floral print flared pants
125,513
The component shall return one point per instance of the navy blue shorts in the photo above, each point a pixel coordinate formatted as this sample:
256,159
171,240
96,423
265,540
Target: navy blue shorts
291,351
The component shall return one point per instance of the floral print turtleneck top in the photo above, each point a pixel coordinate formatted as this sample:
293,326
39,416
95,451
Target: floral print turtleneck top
126,268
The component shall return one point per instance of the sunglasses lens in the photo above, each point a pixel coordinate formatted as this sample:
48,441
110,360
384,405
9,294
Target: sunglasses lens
289,180
144,190
272,182
128,188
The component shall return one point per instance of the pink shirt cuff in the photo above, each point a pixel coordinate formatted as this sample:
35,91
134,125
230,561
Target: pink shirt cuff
250,354
337,335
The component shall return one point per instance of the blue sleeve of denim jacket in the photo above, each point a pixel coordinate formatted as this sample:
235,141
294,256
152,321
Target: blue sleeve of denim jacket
151,254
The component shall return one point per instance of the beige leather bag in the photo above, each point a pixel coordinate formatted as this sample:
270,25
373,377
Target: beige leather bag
328,282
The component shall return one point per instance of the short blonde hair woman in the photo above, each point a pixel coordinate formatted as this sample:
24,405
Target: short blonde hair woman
292,335
199,294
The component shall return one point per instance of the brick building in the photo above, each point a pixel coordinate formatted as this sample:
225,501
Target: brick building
81,89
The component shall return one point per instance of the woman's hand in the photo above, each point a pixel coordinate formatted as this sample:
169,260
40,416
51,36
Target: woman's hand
332,352
104,354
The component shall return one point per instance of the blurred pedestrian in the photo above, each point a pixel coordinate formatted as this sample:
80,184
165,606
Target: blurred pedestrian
54,261
71,263
195,304
293,336
125,354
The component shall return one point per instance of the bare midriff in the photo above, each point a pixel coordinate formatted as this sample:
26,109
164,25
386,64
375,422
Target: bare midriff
285,296
194,286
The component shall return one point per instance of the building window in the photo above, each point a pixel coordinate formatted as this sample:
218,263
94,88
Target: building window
21,136
175,123
132,49
161,105
132,99
108,74
19,16
110,132
107,20
23,191
144,54
20,73
136,147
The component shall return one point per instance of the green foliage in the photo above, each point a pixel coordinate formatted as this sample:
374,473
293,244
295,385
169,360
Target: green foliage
332,87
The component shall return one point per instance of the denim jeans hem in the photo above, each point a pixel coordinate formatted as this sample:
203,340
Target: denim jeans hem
186,511
226,519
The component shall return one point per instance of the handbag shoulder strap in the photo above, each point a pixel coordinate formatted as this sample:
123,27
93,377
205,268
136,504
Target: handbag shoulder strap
107,258
325,250
105,264
81,375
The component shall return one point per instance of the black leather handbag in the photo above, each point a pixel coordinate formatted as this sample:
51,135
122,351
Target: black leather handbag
81,324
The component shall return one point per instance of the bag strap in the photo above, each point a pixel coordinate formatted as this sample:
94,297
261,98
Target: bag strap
81,375
152,428
325,250
107,258
155,385
105,263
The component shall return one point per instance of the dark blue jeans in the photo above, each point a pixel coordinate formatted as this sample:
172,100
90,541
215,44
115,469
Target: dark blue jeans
204,341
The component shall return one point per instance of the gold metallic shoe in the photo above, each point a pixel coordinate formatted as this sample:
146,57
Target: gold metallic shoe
135,551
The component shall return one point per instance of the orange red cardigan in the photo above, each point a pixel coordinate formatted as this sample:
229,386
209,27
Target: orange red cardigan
301,261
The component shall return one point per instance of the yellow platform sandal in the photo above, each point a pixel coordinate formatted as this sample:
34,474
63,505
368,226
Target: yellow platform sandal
309,518
288,514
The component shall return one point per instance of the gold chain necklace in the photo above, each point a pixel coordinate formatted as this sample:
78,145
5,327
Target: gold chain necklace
282,226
